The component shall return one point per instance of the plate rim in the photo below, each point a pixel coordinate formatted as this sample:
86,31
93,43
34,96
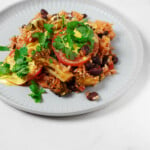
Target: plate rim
125,21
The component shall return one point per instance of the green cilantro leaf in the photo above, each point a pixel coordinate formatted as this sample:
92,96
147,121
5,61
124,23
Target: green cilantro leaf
46,44
33,52
67,52
23,72
4,69
83,30
63,21
39,48
4,48
36,35
66,42
36,92
44,39
21,62
49,27
50,60
17,54
40,36
58,44
71,25
70,41
21,67
20,53
72,55
23,51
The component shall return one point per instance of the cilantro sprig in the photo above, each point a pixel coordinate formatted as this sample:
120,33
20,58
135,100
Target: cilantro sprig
65,42
50,60
63,21
4,48
21,62
4,69
43,38
59,44
84,29
36,92
49,28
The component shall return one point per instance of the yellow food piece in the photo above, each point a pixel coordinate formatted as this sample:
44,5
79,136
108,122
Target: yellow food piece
77,33
32,46
89,81
75,47
4,81
58,70
60,75
13,78
10,60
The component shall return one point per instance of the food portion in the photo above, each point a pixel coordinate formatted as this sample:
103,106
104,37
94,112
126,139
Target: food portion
63,52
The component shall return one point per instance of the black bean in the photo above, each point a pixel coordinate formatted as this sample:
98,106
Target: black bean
105,33
89,65
74,67
71,84
44,13
92,96
84,15
101,34
72,88
85,49
96,59
95,71
14,46
115,59
104,61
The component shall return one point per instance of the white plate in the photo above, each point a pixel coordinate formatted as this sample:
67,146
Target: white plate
127,45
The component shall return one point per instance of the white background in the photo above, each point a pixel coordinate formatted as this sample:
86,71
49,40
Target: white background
124,125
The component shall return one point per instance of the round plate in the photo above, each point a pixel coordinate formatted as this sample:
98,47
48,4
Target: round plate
127,44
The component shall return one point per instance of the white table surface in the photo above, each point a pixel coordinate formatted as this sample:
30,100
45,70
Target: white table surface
124,125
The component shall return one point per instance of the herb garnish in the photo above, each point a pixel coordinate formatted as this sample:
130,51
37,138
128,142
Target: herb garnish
63,21
43,38
59,44
4,69
50,60
65,42
36,92
49,28
21,63
4,48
